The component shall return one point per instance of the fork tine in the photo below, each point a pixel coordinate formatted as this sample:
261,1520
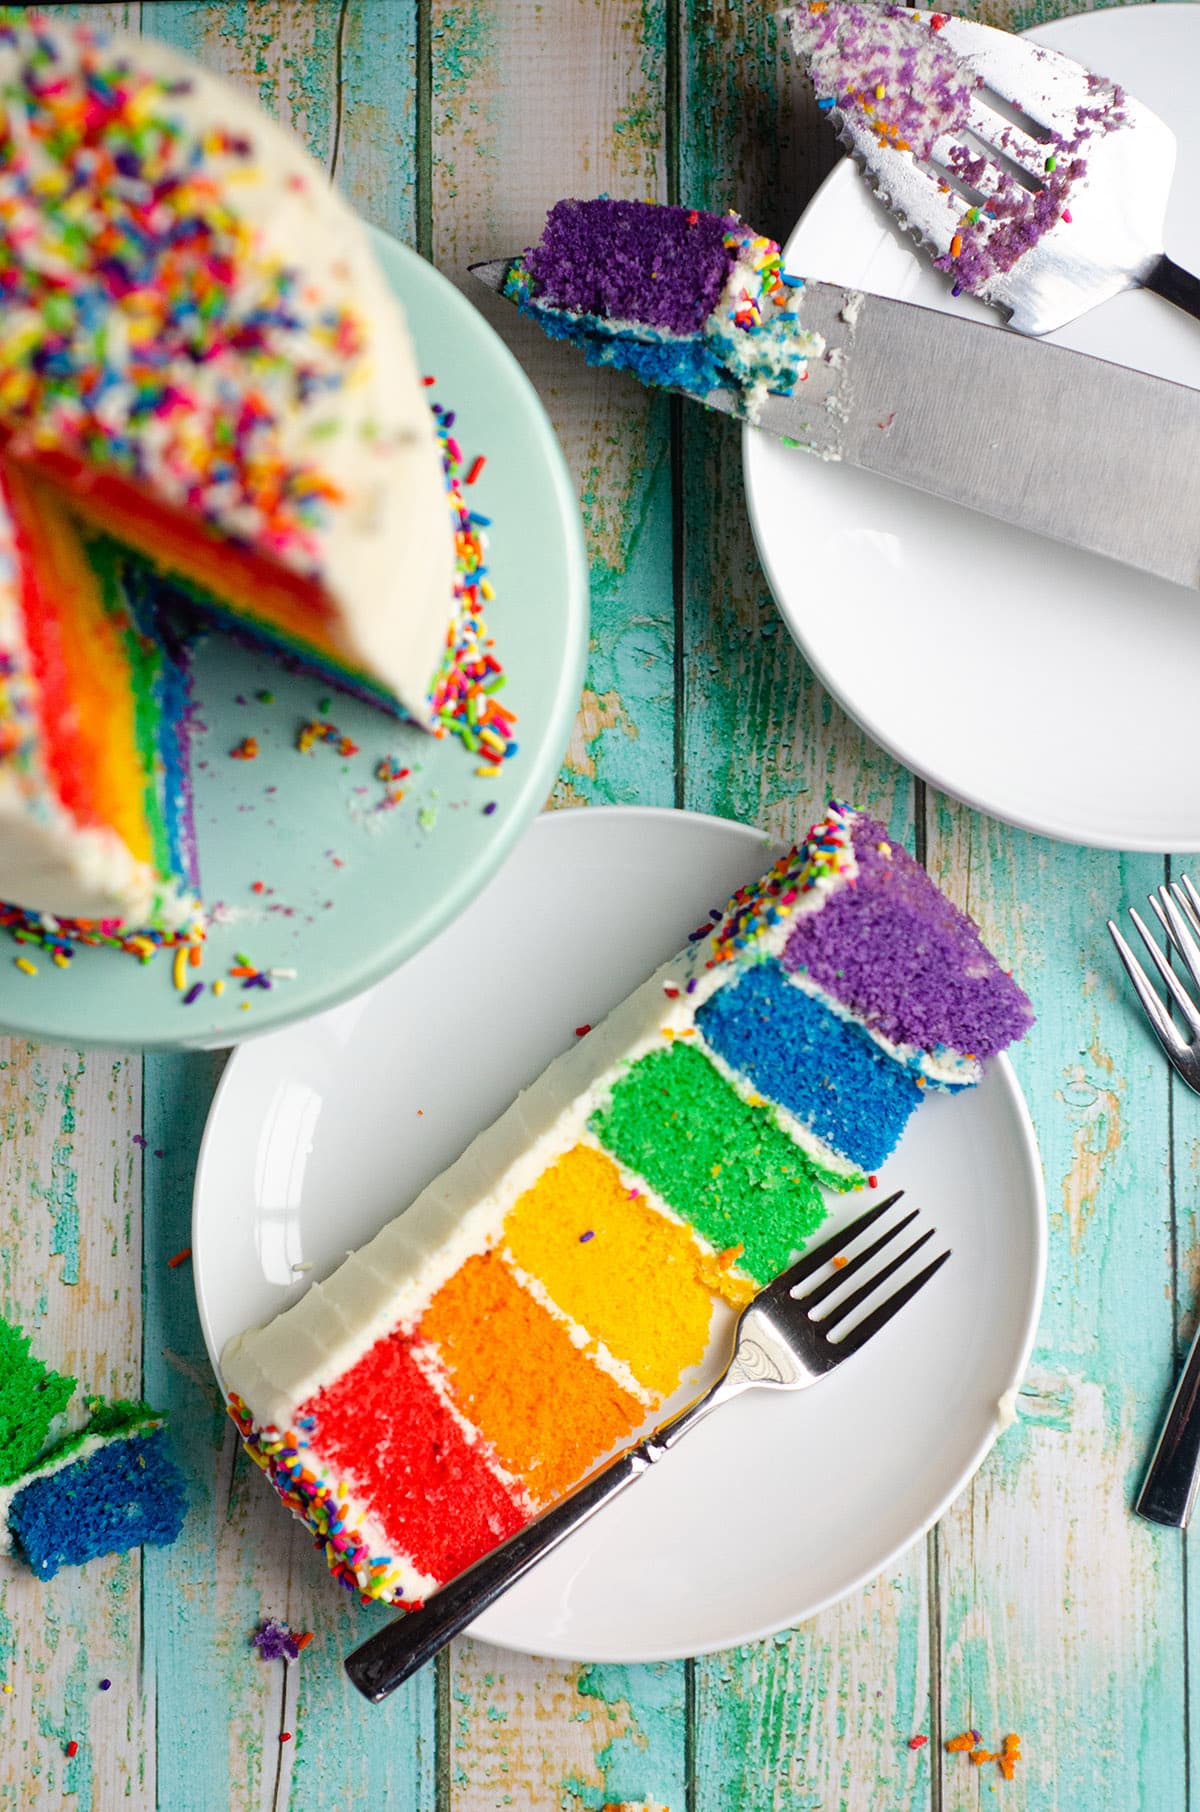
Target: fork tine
816,1256
856,1298
1181,934
878,1318
1193,899
1156,1013
813,1299
1175,987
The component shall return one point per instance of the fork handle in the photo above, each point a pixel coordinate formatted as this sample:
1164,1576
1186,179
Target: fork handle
1169,1489
387,1659
1174,284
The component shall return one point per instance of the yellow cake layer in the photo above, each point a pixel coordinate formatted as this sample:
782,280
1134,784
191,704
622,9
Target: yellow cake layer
616,1266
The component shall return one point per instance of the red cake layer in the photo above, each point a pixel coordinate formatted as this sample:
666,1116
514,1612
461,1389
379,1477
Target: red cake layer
430,1489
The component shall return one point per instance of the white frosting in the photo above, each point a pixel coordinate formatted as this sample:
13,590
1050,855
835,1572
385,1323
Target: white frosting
382,551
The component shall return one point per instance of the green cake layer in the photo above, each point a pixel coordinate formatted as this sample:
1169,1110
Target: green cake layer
723,1163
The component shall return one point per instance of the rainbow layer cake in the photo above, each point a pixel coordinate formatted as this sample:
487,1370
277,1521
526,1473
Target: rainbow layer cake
694,301
107,1485
199,353
543,1298
95,819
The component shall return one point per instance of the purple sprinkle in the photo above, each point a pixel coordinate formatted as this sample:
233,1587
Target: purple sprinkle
585,1237
193,994
275,1641
140,1139
691,987
104,1685
489,808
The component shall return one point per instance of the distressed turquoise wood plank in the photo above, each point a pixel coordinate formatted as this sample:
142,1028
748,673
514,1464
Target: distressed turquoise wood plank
820,1716
70,1263
221,1710
1063,1614
284,55
528,107
373,156
246,1560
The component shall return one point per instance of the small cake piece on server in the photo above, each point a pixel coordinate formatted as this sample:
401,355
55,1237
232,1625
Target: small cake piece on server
541,1300
693,301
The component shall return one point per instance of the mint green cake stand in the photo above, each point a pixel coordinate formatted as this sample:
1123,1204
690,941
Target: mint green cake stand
306,874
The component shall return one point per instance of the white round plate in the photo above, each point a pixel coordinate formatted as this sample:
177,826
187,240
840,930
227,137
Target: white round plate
1053,689
778,1505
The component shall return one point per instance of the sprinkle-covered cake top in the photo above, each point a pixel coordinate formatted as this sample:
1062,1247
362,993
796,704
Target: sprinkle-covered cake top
188,306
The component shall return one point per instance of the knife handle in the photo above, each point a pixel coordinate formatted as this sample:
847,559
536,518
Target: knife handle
1169,1488
1176,285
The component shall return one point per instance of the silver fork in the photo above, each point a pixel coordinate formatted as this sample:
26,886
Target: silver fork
1169,1488
1033,104
1177,909
781,1342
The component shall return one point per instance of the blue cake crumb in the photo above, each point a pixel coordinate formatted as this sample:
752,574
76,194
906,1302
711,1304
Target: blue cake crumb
128,1493
822,1068
674,363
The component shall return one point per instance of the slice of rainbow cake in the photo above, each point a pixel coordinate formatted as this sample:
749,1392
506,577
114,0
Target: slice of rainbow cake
95,813
541,1299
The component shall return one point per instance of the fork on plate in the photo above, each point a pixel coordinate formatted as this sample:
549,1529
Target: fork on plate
786,1339
1169,1488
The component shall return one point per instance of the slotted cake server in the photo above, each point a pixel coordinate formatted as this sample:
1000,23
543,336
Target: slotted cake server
785,1340
1112,236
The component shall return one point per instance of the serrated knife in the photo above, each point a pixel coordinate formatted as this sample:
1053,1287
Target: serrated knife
1067,445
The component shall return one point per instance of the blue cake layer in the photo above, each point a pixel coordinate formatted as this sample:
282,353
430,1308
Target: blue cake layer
825,1070
678,364
127,1493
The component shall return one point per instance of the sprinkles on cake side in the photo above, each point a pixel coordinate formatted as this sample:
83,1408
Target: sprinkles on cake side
542,1299
682,298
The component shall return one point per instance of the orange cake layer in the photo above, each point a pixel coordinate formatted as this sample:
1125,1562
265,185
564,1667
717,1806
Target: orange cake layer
543,1406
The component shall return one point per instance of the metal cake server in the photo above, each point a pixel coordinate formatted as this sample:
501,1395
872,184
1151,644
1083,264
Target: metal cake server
997,423
1033,100
782,1342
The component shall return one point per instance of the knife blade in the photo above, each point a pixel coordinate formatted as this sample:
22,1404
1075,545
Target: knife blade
1067,445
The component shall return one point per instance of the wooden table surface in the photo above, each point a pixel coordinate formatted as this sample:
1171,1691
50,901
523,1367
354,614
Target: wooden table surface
1038,1604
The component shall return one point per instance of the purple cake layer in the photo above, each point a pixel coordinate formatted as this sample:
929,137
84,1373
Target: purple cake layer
896,952
623,261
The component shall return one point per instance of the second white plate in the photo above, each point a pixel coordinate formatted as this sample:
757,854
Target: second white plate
778,1505
1053,689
